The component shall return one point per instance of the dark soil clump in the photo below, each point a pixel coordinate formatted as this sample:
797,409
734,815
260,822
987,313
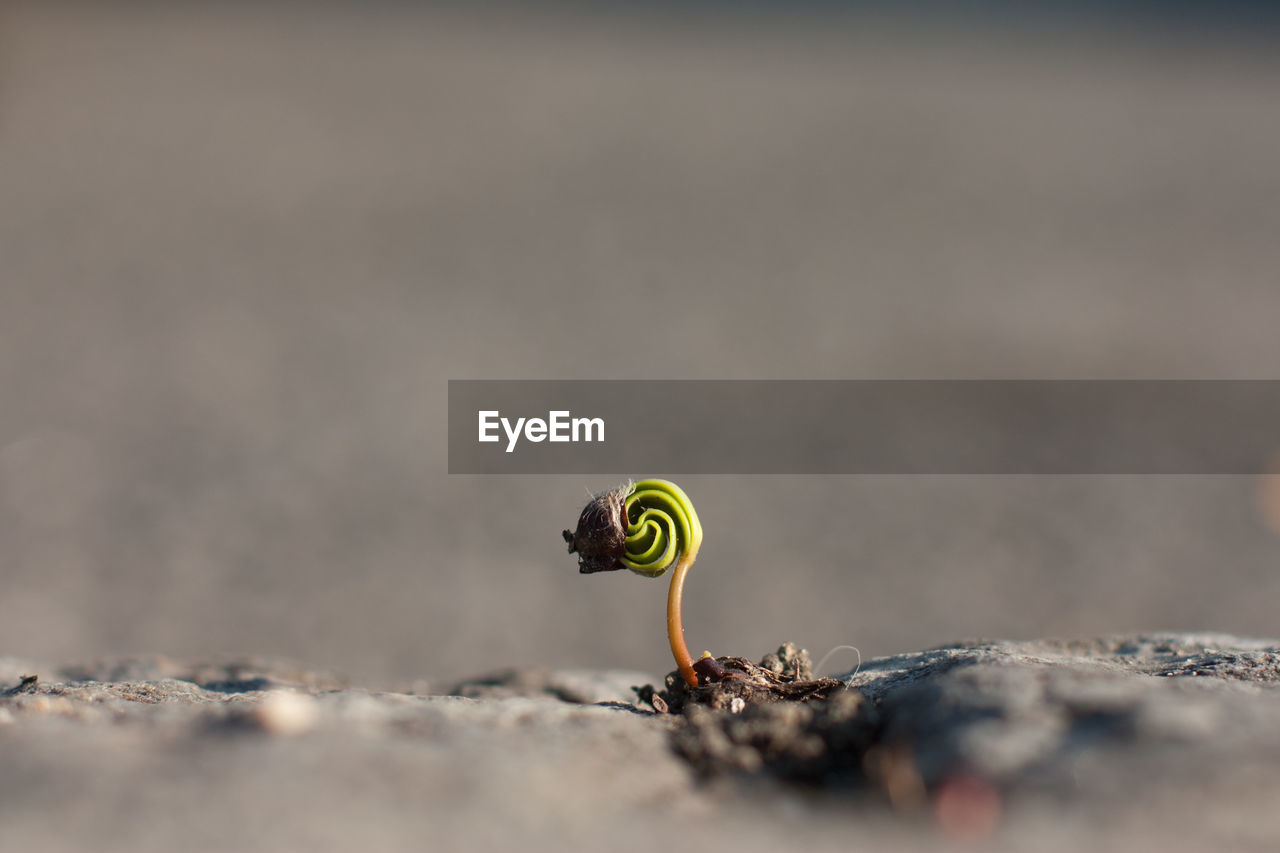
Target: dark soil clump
772,718
732,683
820,742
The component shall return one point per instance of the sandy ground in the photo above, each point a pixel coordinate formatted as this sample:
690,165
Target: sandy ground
242,251
1122,743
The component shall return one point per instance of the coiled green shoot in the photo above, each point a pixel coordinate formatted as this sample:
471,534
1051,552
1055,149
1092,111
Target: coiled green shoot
647,527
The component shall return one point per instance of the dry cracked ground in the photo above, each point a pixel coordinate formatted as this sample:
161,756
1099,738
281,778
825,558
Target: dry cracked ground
1117,743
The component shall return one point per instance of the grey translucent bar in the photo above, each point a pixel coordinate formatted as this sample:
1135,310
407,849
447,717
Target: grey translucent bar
668,427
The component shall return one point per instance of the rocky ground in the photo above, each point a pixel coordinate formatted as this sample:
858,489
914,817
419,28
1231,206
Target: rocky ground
1113,743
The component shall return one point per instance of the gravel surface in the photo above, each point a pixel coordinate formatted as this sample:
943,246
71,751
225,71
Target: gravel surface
1115,742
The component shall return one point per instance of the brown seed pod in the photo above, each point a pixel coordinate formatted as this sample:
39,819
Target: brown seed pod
601,538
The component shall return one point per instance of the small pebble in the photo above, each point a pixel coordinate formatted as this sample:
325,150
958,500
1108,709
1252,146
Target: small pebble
286,714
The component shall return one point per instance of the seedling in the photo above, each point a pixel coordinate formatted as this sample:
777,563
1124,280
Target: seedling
650,527
647,527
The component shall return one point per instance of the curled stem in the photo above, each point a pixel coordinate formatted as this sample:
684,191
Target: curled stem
648,527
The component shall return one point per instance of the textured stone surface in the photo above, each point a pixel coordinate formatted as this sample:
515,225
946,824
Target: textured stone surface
256,758
1111,744
1176,725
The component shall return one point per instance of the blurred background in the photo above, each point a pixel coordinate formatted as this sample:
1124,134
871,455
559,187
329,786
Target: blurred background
244,246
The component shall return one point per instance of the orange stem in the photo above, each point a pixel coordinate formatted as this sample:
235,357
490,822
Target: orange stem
675,626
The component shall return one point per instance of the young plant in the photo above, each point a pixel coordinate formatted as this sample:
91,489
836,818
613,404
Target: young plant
647,527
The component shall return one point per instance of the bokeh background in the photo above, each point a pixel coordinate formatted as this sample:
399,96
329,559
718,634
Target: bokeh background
244,246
